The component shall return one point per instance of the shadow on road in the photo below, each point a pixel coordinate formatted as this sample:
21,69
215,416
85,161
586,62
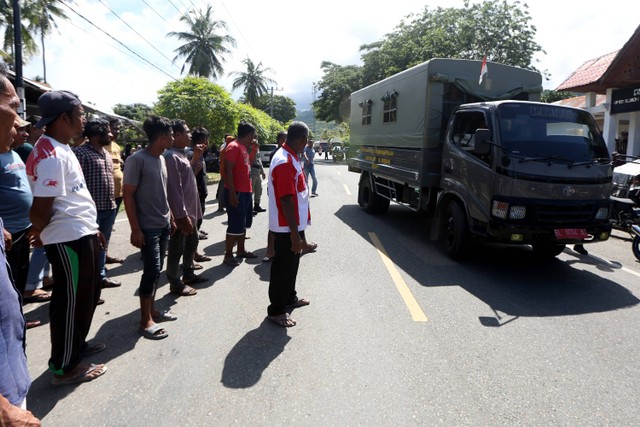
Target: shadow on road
509,279
252,355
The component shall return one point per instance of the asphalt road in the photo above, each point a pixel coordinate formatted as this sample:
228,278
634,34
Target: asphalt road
396,334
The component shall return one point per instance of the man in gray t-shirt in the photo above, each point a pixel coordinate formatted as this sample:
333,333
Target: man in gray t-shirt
145,201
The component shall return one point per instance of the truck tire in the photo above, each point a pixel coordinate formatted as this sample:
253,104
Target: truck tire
547,250
368,199
455,234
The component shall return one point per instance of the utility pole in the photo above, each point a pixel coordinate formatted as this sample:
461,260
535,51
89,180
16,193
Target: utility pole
271,99
17,38
314,89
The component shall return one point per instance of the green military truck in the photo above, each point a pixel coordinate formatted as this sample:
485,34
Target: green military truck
481,157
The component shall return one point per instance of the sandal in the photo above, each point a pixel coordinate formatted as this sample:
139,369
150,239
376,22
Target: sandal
267,259
37,296
310,247
186,291
201,258
91,373
247,254
194,280
231,261
164,316
155,332
94,348
197,266
283,320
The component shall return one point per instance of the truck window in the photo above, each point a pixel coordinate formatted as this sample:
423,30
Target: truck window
366,112
390,111
464,129
547,130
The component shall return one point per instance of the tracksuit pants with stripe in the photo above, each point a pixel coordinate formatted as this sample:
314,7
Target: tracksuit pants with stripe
75,267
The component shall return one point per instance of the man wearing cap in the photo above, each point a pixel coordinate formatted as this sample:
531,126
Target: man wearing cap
97,168
63,217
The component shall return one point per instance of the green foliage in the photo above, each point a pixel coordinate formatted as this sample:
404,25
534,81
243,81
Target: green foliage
335,89
254,81
200,103
284,108
550,96
494,28
204,49
266,128
29,46
135,111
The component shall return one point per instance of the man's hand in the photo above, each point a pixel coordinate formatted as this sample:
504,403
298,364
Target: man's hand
233,199
296,243
34,238
197,151
137,238
263,175
102,240
8,242
185,225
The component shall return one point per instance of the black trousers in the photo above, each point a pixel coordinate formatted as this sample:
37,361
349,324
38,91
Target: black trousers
284,271
18,258
75,267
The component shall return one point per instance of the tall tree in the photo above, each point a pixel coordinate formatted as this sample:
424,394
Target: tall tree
284,108
499,30
42,15
254,81
29,46
204,49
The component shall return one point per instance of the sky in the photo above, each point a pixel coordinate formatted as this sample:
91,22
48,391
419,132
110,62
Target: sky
292,38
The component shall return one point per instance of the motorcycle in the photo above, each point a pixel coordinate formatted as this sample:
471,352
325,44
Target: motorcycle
625,198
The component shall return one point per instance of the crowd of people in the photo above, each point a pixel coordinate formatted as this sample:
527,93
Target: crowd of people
62,182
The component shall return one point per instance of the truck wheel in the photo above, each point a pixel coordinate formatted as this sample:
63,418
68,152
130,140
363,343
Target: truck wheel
368,199
547,250
455,233
635,247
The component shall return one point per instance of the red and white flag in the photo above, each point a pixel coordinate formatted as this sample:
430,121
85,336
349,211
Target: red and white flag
483,71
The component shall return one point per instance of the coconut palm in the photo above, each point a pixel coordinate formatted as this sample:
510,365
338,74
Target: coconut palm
29,46
204,48
41,15
254,81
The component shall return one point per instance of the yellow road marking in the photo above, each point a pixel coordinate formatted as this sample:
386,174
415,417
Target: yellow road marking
346,190
414,308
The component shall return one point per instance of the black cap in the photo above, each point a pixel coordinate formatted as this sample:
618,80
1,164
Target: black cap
52,104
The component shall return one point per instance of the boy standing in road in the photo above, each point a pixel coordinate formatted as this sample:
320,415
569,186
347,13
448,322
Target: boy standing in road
289,216
145,201
63,217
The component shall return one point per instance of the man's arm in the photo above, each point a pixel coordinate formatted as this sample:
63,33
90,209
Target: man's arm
128,196
11,415
41,213
288,210
233,197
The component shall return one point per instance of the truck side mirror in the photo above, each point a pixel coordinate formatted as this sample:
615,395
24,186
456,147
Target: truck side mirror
482,145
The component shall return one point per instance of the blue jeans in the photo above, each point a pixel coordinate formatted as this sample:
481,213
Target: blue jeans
310,169
106,218
155,246
37,267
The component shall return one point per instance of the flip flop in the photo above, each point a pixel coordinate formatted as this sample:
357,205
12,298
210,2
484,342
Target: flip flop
197,266
186,291
283,320
300,302
155,332
231,261
267,259
194,280
41,296
92,372
165,316
92,349
311,247
33,323
113,260
247,255
201,258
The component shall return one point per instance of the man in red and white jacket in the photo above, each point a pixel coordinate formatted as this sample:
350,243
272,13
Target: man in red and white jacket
289,216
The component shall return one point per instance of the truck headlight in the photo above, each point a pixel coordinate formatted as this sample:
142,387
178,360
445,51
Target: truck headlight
603,213
499,209
517,212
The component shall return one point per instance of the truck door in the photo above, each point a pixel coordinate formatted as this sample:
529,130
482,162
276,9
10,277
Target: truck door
465,172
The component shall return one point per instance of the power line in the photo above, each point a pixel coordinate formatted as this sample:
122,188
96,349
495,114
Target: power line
132,29
119,42
156,12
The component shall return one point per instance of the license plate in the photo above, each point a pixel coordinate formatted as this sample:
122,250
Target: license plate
570,233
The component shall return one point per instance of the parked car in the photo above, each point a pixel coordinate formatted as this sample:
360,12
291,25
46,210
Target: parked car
265,151
338,153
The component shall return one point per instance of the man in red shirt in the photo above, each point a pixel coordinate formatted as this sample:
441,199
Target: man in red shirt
237,193
289,216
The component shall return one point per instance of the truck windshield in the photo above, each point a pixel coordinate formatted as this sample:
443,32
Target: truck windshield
548,132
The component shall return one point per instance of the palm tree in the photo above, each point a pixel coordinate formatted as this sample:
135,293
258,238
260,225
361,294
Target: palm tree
204,49
41,15
254,81
29,47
